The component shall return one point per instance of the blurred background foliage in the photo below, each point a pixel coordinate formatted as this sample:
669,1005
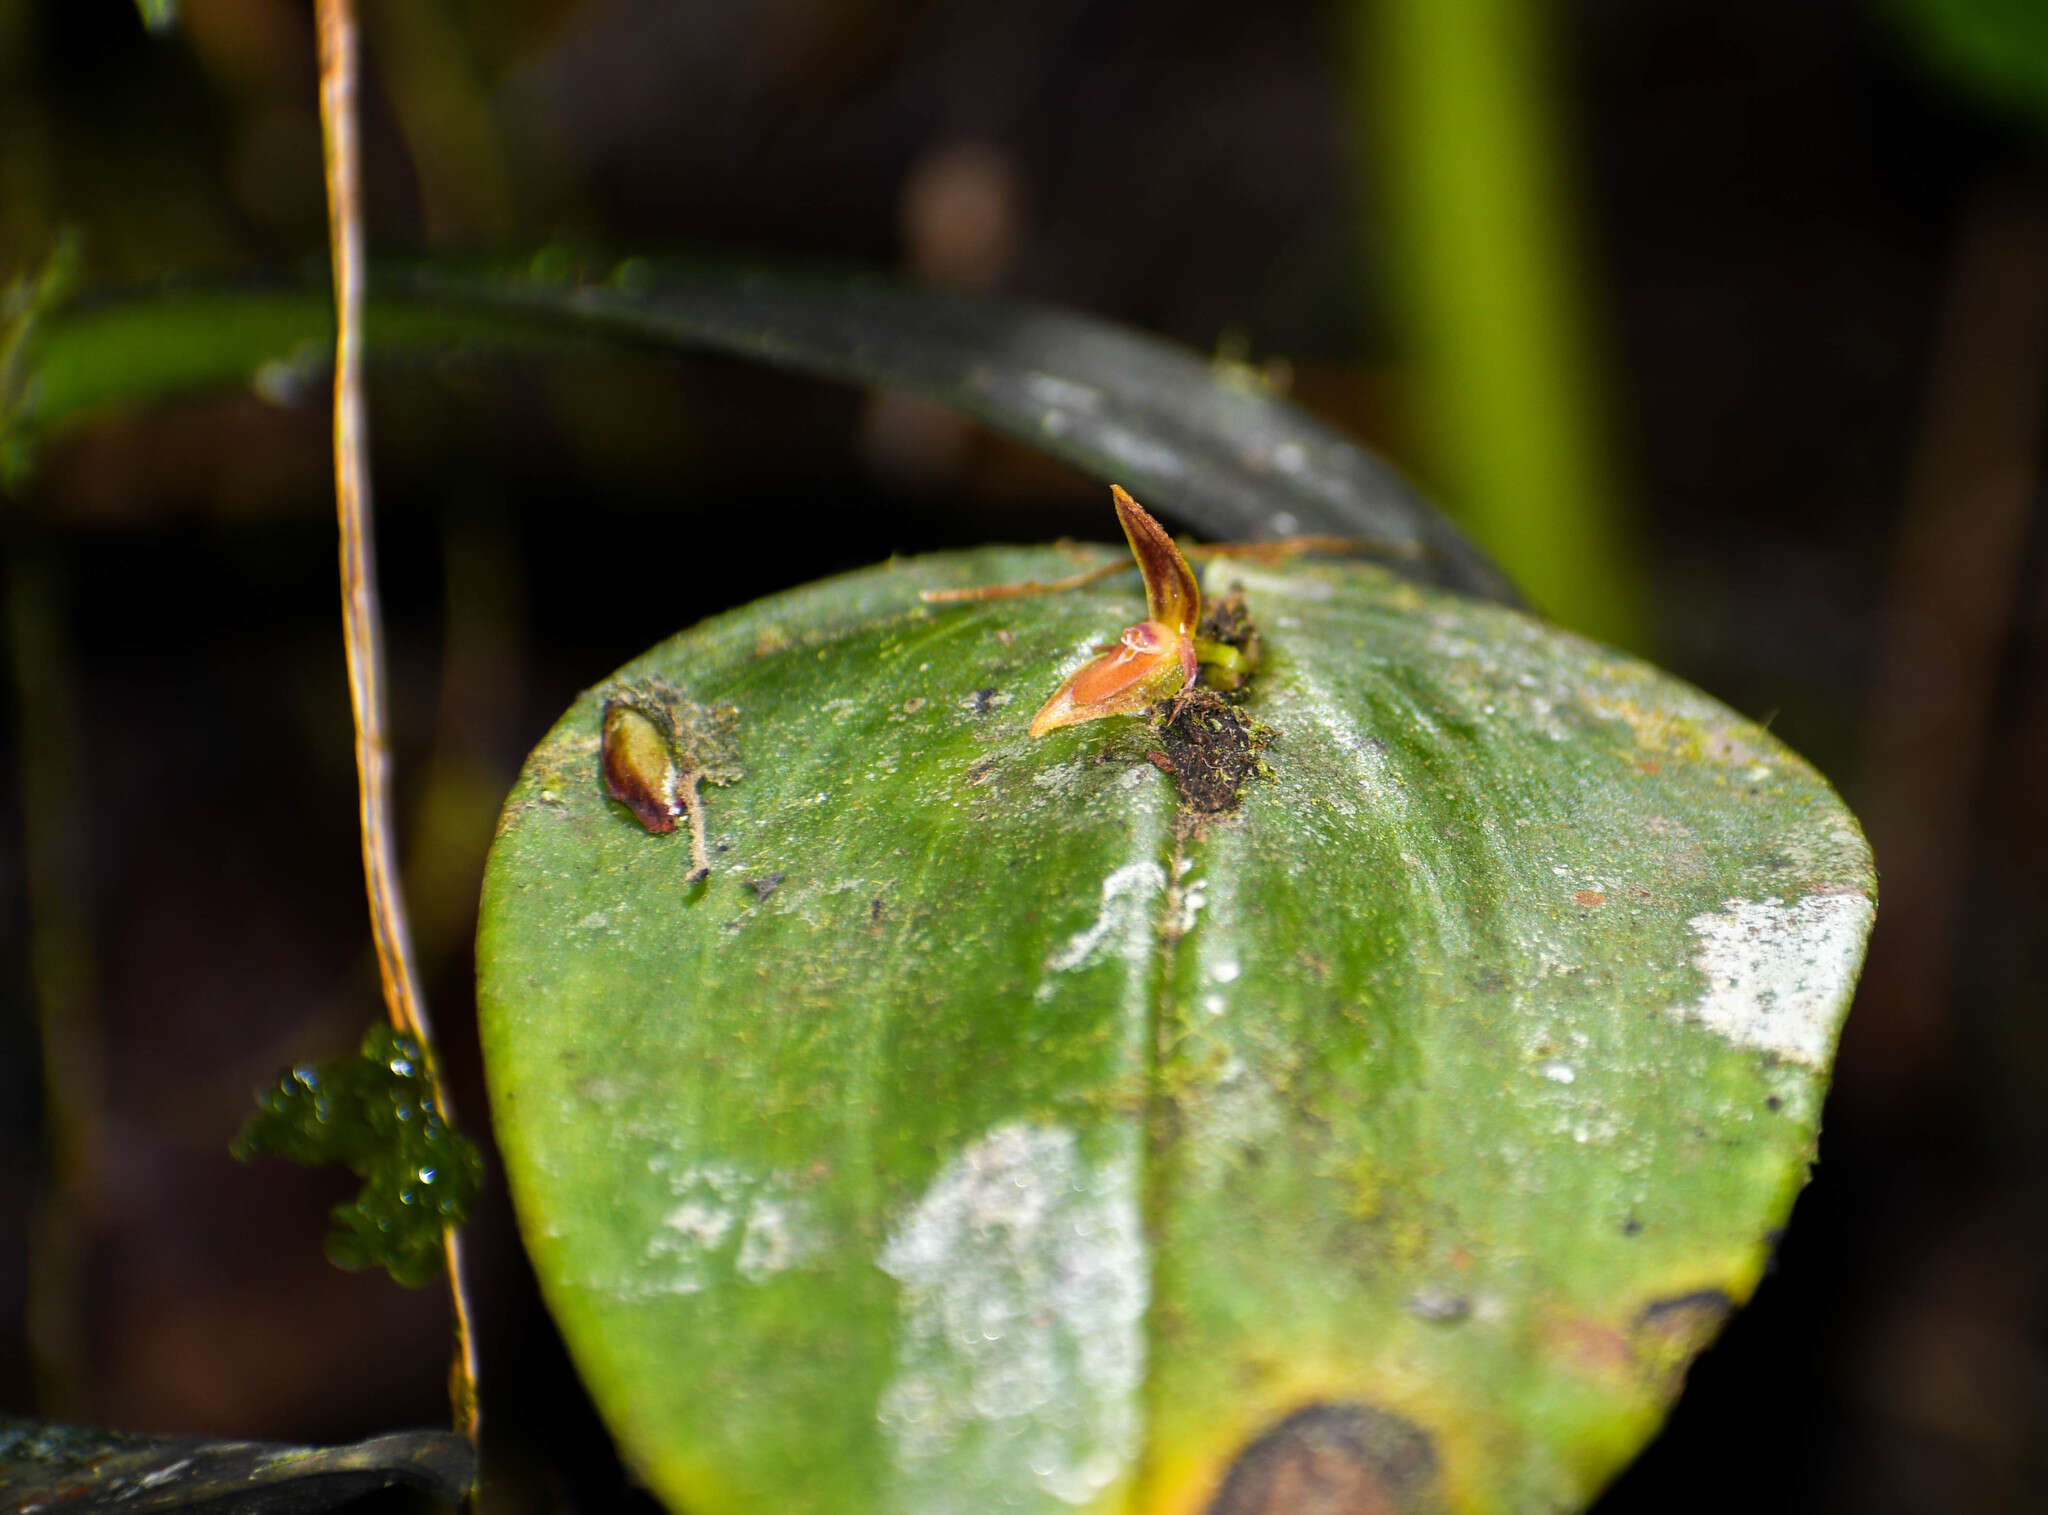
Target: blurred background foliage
1725,325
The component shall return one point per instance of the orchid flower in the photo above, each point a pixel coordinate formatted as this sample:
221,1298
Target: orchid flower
1153,660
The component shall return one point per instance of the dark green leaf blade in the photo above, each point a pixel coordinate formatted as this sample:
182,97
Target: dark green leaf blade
1232,460
988,1131
78,1470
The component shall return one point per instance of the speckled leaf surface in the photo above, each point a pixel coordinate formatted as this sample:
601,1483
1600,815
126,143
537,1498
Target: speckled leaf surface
988,1133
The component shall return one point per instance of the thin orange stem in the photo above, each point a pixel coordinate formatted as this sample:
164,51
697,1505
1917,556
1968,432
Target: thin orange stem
360,621
1018,591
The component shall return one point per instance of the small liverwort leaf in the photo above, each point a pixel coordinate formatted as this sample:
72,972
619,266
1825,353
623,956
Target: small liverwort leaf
376,1113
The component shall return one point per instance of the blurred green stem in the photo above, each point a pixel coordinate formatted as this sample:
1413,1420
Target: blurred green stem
444,111
1455,101
158,15
53,849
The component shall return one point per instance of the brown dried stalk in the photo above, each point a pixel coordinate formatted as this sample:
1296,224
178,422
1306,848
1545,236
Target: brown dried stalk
361,631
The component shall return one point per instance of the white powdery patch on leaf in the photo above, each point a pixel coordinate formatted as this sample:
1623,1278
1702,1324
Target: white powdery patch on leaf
1778,975
757,1219
1020,1347
1125,919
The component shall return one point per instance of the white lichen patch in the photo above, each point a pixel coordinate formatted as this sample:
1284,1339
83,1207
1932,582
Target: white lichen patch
725,1218
1834,851
1185,902
1137,451
1064,394
1125,923
775,1239
1059,778
1778,975
1020,1347
1235,1110
1512,676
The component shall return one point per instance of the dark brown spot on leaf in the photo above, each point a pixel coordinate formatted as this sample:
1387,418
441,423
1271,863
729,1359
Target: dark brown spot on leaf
765,885
1669,1333
1333,1459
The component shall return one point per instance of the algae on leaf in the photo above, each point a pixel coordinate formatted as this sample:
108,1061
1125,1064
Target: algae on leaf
1037,1142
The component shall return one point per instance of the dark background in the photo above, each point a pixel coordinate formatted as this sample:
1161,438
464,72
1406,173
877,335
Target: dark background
1815,266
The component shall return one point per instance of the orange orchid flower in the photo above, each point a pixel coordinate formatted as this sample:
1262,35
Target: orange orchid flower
1153,660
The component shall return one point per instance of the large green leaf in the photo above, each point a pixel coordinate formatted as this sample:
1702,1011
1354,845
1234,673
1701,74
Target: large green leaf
991,1130
1236,461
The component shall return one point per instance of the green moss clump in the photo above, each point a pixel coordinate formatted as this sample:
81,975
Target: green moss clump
375,1112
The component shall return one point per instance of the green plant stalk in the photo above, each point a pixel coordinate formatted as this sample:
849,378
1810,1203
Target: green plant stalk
60,955
1463,137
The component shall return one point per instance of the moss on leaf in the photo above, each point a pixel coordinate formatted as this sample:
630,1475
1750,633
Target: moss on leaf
376,1113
